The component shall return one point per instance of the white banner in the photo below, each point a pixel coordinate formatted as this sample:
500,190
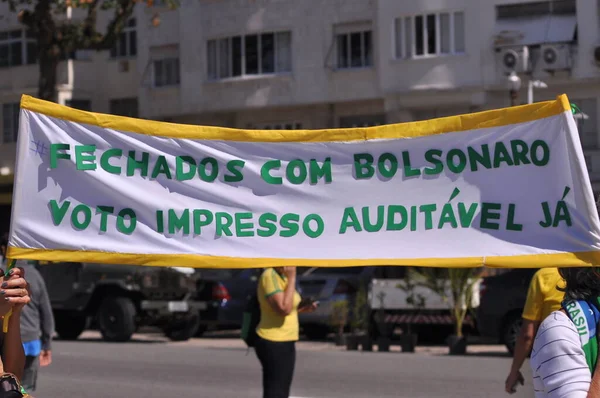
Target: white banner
504,188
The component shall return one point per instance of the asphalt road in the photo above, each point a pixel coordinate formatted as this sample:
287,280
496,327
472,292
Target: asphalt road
93,369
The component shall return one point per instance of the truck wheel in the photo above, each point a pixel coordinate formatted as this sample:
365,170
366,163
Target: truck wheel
116,319
510,331
69,326
183,331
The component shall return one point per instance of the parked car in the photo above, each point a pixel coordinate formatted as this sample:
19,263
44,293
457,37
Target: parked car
502,299
120,298
226,293
328,285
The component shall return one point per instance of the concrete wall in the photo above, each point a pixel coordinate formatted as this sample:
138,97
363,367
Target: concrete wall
311,23
98,79
314,93
440,72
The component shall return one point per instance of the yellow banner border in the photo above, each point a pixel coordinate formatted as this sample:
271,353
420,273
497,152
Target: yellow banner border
472,121
479,120
579,259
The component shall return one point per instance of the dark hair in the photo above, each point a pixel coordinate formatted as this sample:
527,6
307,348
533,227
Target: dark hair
582,283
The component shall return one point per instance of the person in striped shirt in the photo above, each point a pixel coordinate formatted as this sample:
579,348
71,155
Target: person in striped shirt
561,367
543,297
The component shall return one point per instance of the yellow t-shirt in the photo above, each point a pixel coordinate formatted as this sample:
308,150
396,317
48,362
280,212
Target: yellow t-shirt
272,326
543,297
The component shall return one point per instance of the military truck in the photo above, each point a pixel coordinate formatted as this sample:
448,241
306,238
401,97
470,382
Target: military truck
118,299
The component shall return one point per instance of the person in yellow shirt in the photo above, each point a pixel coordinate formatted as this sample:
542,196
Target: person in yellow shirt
278,329
543,297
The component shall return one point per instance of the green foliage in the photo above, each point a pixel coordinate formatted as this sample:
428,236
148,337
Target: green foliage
459,296
411,281
360,313
462,281
60,6
57,36
339,316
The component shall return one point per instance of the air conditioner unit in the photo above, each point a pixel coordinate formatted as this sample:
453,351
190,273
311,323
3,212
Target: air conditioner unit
555,57
514,59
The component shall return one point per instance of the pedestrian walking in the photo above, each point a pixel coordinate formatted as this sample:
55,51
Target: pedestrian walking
543,297
564,359
37,327
278,329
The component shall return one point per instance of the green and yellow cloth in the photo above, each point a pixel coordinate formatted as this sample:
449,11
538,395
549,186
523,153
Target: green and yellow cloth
585,316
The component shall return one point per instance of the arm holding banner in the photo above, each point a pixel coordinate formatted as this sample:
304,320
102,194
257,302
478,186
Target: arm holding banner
12,348
16,296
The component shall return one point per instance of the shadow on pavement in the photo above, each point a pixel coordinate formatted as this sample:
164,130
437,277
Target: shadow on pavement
221,334
100,340
235,334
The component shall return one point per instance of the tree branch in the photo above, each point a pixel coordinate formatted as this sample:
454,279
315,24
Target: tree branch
123,12
89,24
27,18
85,36
81,35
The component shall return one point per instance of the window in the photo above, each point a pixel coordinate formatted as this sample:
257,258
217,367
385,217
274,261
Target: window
81,104
259,54
588,128
277,126
31,50
166,72
124,107
10,122
361,121
536,9
165,65
354,49
430,35
126,45
17,47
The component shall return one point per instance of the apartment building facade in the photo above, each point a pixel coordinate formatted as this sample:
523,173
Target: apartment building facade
284,64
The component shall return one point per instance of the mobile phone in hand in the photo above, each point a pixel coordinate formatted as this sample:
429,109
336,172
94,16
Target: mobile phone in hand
306,302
